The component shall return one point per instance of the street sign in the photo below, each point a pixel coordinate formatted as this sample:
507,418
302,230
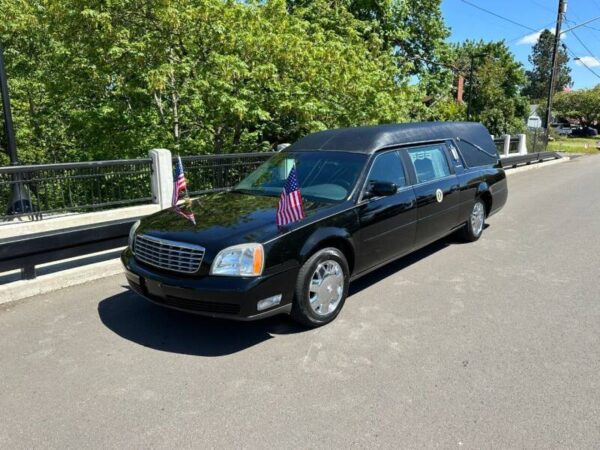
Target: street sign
534,121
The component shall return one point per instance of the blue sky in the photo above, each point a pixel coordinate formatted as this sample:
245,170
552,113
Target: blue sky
467,22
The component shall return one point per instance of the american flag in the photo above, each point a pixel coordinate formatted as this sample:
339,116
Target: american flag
290,208
179,184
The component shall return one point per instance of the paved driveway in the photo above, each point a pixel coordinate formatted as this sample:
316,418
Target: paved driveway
486,345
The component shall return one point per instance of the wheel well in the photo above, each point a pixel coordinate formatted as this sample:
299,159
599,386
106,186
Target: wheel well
342,245
487,200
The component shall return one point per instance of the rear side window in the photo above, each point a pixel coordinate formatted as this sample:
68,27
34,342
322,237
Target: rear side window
388,167
430,163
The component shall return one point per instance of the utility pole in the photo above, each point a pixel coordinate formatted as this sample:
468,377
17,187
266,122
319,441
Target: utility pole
562,8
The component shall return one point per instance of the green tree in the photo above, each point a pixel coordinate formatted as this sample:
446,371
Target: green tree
497,81
582,104
114,79
414,33
541,60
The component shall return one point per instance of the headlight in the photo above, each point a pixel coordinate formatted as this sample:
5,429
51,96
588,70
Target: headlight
245,260
132,234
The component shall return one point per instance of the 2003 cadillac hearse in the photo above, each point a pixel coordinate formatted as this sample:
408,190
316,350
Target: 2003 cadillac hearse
370,196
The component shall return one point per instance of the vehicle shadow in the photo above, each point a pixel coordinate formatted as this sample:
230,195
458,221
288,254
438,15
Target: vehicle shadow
390,269
395,266
152,326
136,319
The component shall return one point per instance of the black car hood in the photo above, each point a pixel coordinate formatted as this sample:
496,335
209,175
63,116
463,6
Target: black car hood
223,219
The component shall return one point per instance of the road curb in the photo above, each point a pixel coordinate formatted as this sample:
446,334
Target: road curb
20,290
511,171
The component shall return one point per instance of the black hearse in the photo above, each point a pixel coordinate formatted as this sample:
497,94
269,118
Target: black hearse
371,195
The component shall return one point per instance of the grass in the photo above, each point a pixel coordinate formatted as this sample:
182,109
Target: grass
574,145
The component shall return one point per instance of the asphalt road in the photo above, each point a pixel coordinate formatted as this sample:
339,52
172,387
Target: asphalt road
488,345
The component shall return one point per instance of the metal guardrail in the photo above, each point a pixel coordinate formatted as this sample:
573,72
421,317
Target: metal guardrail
26,252
518,160
53,189
75,187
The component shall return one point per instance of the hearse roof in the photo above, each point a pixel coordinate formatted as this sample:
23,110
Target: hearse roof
369,139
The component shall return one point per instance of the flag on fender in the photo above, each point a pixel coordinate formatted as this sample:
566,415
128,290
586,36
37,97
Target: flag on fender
180,184
290,208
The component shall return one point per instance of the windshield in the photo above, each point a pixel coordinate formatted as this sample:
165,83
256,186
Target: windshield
326,175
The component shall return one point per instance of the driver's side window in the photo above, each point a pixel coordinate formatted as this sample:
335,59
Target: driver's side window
388,168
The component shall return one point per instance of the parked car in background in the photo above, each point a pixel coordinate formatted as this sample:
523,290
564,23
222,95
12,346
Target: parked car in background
584,132
371,195
564,130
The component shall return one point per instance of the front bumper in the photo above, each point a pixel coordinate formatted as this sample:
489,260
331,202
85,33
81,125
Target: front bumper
214,296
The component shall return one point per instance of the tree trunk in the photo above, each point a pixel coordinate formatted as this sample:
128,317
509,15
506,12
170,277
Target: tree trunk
174,101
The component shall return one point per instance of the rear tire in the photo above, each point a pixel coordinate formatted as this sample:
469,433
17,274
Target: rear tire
473,229
321,288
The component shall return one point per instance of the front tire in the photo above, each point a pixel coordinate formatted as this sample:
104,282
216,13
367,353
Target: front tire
321,288
474,226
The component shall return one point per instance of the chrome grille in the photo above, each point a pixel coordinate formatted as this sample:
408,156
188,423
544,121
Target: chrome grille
169,255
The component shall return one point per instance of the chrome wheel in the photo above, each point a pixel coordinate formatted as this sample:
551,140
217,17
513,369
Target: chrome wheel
326,287
477,218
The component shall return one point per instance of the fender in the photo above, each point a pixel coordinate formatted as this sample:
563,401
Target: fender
482,187
321,235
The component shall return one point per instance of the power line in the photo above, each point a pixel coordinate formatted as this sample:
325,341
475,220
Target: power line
587,49
581,24
580,61
587,27
541,5
498,15
584,24
582,43
545,27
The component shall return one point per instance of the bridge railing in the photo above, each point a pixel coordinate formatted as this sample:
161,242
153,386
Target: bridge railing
35,192
210,172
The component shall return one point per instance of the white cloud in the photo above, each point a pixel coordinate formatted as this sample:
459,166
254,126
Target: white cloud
589,61
532,38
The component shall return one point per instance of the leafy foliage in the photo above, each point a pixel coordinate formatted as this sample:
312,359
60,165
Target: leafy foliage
97,79
497,81
92,79
583,104
541,59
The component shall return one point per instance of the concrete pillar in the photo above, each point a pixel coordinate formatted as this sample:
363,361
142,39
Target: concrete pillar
162,177
506,145
522,144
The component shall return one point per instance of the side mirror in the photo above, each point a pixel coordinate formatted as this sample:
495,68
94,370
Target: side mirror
381,189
